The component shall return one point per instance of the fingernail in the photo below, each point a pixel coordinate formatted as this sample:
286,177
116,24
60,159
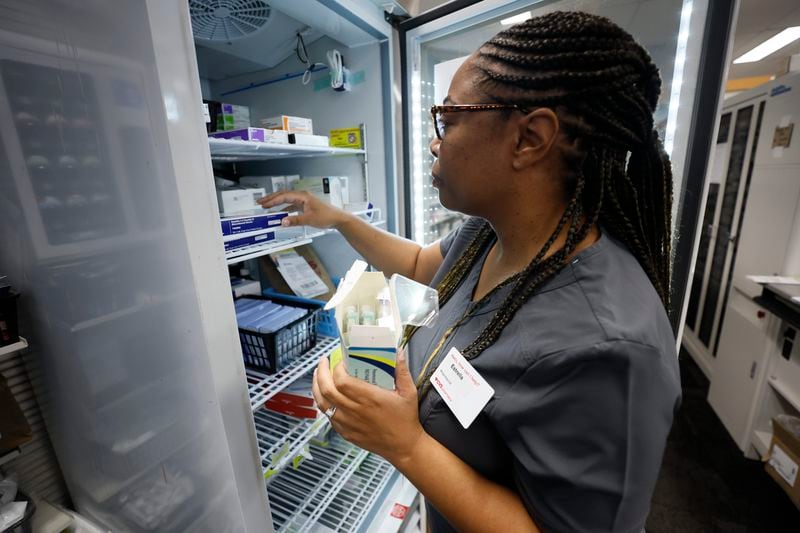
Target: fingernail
285,222
401,356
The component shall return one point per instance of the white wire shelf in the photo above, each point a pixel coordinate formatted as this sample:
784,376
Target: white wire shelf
306,235
233,150
259,250
281,438
351,507
262,386
299,498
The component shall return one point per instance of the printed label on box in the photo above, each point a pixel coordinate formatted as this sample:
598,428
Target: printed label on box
299,275
783,465
346,138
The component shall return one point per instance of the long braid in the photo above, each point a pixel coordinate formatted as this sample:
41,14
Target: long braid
604,88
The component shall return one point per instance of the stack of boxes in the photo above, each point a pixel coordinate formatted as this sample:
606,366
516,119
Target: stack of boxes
300,130
225,117
242,231
228,121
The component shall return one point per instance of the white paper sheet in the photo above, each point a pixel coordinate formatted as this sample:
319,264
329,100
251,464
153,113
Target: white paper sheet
299,275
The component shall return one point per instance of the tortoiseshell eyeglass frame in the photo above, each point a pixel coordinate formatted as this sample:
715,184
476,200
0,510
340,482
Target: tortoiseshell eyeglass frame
437,109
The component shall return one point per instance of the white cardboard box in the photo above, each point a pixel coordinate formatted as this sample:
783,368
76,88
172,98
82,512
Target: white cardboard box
326,188
237,199
368,351
269,183
290,124
308,140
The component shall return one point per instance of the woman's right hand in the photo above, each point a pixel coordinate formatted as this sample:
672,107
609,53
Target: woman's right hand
314,212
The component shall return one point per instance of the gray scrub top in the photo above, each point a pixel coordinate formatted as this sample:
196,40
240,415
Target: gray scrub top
586,384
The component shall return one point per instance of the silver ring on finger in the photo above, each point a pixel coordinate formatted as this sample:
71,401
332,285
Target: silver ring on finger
330,411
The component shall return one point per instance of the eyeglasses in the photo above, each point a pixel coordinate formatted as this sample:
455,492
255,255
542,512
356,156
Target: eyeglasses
437,110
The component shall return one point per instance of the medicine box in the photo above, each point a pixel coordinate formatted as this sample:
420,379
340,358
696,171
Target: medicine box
224,117
251,240
275,279
346,138
783,464
237,199
242,225
254,134
241,287
268,183
369,351
290,124
308,140
326,188
295,400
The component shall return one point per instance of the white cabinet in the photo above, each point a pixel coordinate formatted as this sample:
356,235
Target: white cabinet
735,340
741,363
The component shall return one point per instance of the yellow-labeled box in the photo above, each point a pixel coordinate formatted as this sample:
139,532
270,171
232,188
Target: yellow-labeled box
347,138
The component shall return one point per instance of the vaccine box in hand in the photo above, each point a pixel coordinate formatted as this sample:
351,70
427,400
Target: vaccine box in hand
369,349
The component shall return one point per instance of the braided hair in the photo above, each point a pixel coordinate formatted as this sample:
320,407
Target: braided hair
604,88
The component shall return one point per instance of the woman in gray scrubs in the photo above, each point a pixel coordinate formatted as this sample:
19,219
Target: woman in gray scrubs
554,291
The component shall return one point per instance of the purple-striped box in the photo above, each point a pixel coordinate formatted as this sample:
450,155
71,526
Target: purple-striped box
252,240
254,134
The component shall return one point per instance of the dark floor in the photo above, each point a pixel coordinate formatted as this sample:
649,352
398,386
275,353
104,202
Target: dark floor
706,483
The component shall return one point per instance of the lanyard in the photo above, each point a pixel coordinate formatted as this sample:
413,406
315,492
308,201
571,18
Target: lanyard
422,383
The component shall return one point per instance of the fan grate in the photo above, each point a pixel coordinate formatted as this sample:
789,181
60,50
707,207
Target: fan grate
227,20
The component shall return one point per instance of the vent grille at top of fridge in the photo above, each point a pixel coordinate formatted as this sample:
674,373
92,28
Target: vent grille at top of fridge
227,20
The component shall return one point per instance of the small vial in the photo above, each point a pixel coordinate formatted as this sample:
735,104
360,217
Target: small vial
350,317
367,315
384,304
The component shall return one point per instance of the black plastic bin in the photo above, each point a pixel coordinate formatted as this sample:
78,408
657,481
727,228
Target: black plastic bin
270,352
9,328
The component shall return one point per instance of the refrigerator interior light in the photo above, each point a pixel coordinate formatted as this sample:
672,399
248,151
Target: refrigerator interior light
516,19
771,45
677,77
417,144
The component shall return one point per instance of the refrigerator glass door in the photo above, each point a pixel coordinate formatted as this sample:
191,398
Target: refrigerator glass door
109,230
434,51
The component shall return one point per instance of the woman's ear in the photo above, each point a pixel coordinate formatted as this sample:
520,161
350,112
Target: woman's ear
537,133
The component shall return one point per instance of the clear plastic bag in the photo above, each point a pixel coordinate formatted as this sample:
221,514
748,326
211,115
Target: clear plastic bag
417,304
790,423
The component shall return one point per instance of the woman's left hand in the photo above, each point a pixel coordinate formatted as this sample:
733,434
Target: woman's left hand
380,421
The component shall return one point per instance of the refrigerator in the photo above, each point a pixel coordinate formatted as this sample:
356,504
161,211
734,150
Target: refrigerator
109,226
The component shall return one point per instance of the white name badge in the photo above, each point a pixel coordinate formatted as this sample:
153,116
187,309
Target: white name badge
464,391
